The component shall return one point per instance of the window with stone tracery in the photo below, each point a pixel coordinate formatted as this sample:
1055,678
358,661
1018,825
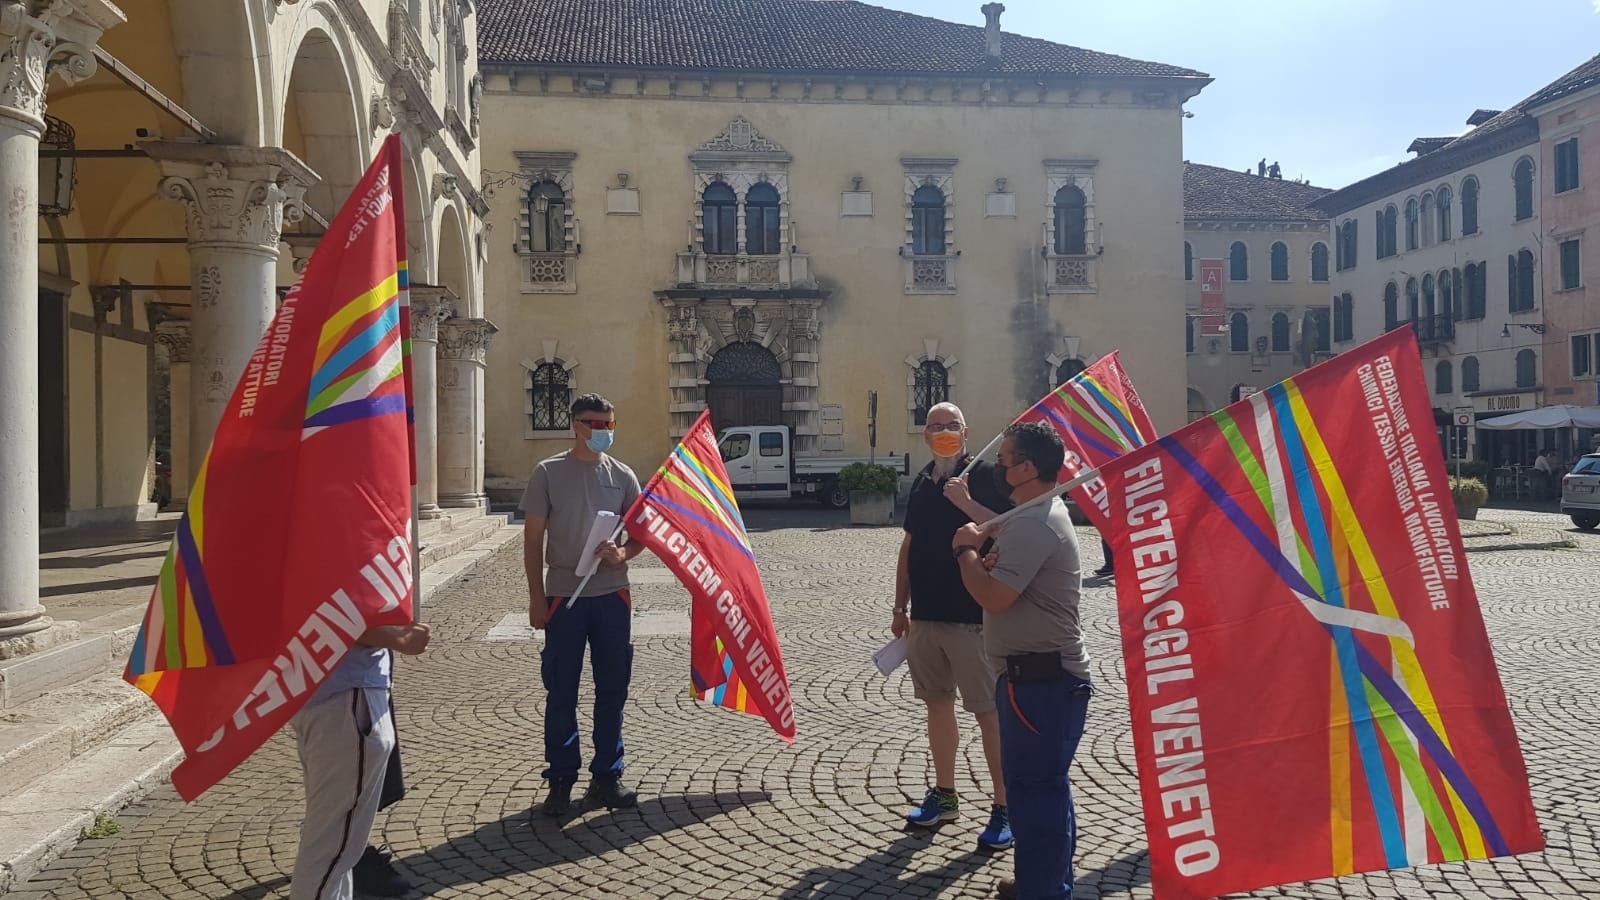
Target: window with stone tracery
720,220
550,397
549,385
547,229
932,387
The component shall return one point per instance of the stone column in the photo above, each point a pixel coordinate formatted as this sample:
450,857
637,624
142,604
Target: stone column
236,201
430,305
463,346
36,38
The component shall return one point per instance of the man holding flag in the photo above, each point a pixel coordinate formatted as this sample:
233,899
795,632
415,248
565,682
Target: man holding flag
1030,625
291,575
564,496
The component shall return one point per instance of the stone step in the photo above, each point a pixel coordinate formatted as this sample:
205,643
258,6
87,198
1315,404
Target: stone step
40,736
101,647
48,817
456,534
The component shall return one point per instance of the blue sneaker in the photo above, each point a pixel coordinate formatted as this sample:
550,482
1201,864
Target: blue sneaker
937,807
997,836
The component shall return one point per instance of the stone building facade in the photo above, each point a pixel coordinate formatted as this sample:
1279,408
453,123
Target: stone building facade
1273,254
177,163
774,233
1569,149
1455,243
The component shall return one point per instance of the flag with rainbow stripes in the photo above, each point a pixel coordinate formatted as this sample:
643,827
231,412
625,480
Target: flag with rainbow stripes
1099,417
297,538
688,517
1311,684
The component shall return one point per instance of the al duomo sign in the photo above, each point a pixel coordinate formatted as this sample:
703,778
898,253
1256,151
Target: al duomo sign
1505,403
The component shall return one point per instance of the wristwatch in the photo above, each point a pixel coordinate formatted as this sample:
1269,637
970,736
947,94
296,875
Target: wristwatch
964,548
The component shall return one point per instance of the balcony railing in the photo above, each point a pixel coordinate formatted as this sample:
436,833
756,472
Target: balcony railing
1070,274
930,274
1434,329
778,271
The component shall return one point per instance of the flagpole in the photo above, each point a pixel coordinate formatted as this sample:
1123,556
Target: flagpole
585,582
981,454
1046,497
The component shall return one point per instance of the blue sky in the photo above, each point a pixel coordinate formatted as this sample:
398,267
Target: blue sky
1333,89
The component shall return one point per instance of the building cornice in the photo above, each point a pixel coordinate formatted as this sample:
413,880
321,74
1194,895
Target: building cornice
1318,225
1423,170
910,88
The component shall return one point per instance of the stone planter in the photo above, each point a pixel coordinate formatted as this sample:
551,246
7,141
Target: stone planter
871,509
1466,511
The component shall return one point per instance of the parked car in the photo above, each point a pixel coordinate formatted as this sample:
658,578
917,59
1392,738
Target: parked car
762,465
1580,492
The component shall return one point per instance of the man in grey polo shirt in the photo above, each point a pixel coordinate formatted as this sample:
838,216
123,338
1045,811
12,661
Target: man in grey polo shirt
564,495
1030,628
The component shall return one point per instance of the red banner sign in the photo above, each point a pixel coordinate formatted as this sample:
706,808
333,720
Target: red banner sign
297,537
1312,688
687,516
1212,302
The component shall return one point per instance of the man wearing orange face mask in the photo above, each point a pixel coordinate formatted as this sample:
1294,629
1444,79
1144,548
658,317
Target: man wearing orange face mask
942,624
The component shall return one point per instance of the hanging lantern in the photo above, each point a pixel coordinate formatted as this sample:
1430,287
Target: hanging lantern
57,173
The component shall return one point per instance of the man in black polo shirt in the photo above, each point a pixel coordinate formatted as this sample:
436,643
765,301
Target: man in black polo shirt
942,624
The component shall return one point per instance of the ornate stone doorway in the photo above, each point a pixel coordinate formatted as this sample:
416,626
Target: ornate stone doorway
744,386
750,361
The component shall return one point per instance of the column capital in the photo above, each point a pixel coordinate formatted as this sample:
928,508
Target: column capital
430,305
234,197
465,339
43,37
175,337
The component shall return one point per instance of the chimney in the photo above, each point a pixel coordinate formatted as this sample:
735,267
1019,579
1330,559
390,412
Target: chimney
991,31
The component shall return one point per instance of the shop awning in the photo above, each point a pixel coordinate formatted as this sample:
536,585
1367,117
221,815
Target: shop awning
1545,417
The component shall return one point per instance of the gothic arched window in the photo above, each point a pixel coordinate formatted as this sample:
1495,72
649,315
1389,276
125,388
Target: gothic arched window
930,388
762,234
927,221
720,212
1071,231
547,218
549,398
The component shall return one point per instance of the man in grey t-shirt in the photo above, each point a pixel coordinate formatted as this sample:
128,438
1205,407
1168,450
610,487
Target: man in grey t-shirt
1030,627
564,495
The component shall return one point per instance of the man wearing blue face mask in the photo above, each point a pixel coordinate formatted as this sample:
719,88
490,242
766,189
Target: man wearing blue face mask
563,497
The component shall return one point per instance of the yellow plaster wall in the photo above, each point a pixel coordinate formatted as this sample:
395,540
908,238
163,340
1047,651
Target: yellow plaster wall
999,327
1214,375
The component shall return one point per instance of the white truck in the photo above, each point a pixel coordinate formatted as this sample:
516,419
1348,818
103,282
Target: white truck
762,465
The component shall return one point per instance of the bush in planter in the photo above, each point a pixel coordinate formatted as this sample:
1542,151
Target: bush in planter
869,479
1470,468
1468,494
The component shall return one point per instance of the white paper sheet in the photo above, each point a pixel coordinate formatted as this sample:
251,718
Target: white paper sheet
605,523
891,656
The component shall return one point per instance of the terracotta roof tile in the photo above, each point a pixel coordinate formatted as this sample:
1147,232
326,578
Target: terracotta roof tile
771,36
1212,193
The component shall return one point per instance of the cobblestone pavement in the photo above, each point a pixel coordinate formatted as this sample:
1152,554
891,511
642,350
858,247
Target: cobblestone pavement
730,811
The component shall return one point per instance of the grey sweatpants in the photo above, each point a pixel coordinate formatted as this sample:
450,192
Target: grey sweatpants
344,740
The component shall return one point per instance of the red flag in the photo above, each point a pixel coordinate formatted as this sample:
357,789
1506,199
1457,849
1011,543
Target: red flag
1099,417
687,516
1311,684
297,537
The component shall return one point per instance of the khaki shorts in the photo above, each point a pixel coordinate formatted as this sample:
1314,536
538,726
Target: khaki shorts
947,656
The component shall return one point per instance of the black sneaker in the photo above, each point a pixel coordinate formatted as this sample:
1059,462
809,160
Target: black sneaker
376,876
559,800
611,793
1104,572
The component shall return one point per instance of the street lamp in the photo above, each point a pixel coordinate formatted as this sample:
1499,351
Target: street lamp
57,175
1536,328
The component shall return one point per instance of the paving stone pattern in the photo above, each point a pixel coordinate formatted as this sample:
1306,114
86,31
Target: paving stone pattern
729,811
